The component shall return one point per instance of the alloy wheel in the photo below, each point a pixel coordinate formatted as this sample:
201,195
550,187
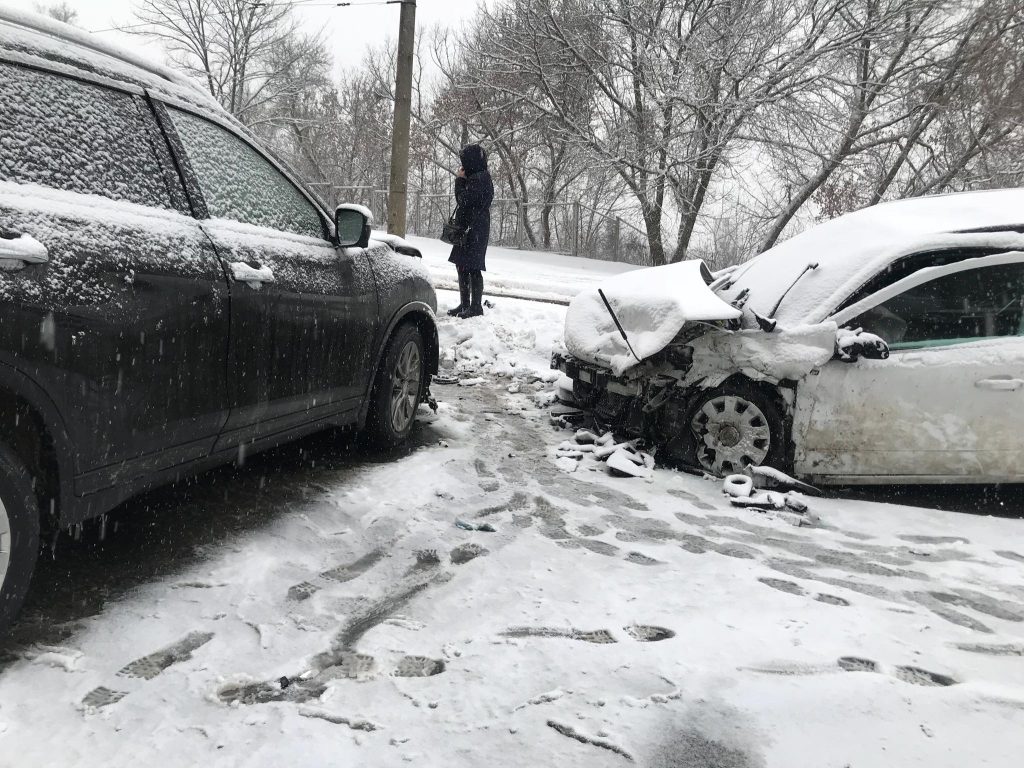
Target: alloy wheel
405,386
732,434
5,542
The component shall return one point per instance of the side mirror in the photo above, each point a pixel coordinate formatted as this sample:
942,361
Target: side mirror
353,223
854,345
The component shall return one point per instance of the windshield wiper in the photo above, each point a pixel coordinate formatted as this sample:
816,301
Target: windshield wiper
813,265
618,325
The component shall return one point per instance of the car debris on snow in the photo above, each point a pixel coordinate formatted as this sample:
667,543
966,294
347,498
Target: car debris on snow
769,489
738,486
775,479
623,459
467,526
630,463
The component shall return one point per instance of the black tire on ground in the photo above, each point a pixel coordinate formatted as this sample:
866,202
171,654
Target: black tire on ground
742,417
19,535
397,389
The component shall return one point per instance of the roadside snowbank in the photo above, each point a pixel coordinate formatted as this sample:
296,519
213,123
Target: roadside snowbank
527,274
514,339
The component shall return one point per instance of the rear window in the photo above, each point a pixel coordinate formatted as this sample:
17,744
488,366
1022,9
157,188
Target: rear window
79,137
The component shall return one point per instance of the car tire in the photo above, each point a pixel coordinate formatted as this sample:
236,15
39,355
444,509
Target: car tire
726,429
397,389
19,535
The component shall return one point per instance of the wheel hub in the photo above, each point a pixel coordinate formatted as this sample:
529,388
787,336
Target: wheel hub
728,436
405,386
732,434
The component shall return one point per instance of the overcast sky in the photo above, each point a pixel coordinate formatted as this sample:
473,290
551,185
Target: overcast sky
347,30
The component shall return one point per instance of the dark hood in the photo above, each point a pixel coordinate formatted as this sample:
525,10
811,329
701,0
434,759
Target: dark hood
474,158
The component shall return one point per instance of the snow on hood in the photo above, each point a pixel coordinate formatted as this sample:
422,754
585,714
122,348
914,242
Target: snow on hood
651,304
394,241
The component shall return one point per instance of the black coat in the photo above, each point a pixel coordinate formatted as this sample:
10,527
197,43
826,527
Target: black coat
473,196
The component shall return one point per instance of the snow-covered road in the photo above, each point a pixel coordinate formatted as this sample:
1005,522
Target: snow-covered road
321,608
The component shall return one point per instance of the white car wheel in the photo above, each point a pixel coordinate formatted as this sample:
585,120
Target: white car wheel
732,434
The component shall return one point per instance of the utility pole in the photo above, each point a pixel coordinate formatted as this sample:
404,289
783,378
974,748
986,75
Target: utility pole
399,186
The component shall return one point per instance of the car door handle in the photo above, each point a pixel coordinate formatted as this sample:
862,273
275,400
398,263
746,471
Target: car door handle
17,250
254,277
1000,384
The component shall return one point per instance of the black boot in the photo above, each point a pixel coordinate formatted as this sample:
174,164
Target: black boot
464,295
476,304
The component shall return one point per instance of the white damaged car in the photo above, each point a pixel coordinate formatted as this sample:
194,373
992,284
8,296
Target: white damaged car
885,346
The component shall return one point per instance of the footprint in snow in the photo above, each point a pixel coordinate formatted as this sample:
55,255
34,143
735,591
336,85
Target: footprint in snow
639,558
418,666
339,574
907,674
597,636
643,633
348,666
647,633
148,667
912,675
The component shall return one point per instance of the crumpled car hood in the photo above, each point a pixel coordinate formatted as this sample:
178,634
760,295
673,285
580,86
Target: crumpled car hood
652,305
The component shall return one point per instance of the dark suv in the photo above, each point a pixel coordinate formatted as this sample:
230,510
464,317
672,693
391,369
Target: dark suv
171,298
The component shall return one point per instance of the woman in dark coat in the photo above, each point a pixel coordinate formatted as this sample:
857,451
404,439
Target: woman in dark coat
473,195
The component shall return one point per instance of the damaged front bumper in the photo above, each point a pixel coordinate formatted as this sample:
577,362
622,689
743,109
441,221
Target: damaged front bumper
631,403
597,379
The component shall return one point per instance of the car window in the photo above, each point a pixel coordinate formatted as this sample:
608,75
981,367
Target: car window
905,266
79,137
953,309
238,183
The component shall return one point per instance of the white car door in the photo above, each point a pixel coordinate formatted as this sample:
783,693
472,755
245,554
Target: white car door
948,404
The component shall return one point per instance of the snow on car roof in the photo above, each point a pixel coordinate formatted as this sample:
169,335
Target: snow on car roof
852,248
30,34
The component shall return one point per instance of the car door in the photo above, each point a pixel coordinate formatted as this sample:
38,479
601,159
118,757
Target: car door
303,312
120,313
948,404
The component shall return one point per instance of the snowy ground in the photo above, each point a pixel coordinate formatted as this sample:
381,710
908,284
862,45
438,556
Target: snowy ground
321,608
525,274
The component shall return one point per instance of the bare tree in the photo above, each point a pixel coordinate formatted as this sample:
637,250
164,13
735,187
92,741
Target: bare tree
247,53
60,11
675,82
864,125
710,127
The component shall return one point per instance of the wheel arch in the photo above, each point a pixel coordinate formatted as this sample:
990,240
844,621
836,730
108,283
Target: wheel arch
780,395
31,426
422,316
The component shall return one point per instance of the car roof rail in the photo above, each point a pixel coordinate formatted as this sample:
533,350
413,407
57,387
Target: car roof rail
1019,228
69,34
